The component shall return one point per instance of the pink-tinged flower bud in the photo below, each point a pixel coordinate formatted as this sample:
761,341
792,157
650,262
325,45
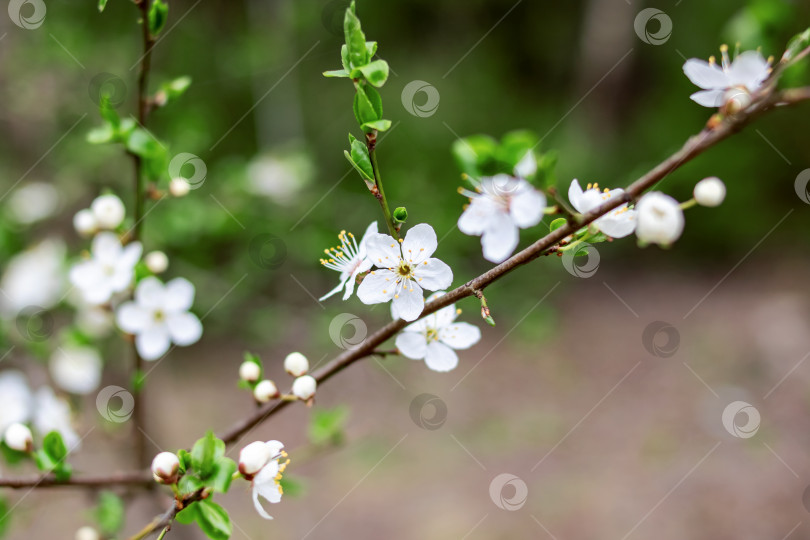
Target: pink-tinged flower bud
296,364
253,458
250,371
165,467
265,391
18,437
304,387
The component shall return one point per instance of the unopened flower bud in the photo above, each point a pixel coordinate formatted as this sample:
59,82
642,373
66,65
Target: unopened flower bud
710,191
156,261
165,467
87,533
265,391
179,187
304,387
85,222
296,364
253,458
18,437
250,371
660,219
108,210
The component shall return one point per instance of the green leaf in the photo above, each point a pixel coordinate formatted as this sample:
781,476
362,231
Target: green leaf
101,5
513,147
355,39
189,484
556,224
108,113
344,58
5,516
327,425
221,478
342,73
475,154
55,447
367,104
360,159
185,460
371,49
379,125
109,513
158,14
141,143
205,453
797,44
400,214
546,176
11,456
172,90
101,135
187,515
376,72
213,520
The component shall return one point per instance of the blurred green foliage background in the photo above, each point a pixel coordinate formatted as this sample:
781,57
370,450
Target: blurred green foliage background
272,130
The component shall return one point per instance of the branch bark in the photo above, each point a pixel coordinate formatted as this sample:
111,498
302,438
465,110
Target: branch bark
140,479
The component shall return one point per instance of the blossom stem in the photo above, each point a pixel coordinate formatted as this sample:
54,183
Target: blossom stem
688,204
371,144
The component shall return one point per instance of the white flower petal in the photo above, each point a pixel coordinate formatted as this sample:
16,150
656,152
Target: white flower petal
383,250
440,357
527,166
708,98
419,244
410,301
705,75
132,318
150,293
527,206
275,448
179,295
433,275
445,316
377,287
575,196
475,219
749,69
460,335
106,247
371,229
412,345
130,255
184,328
153,342
500,239
618,224
337,289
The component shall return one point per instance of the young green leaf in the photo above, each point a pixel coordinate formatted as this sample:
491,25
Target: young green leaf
327,425
797,44
400,214
378,125
214,520
101,5
187,515
360,159
204,454
158,14
556,224
355,39
220,479
342,73
109,513
55,447
376,72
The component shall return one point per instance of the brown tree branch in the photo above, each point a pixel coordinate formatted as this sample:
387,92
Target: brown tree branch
694,146
140,479
164,521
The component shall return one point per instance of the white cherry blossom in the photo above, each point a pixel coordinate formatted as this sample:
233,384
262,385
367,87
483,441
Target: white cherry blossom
403,270
350,259
108,210
266,481
76,369
660,219
617,223
731,80
16,401
499,207
436,338
34,277
53,414
110,269
159,316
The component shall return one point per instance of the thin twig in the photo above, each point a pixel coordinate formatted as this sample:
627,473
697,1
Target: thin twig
164,521
141,479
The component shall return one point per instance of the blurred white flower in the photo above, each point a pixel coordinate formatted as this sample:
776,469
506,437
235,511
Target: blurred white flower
304,387
18,437
179,187
156,261
159,316
87,533
730,80
53,414
84,221
15,399
76,369
527,166
499,207
660,219
34,277
33,202
404,270
280,179
110,269
95,321
266,481
350,259
108,210
617,223
710,192
435,337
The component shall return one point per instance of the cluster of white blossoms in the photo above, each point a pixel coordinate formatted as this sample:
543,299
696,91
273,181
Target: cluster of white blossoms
42,410
296,364
730,84
106,212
